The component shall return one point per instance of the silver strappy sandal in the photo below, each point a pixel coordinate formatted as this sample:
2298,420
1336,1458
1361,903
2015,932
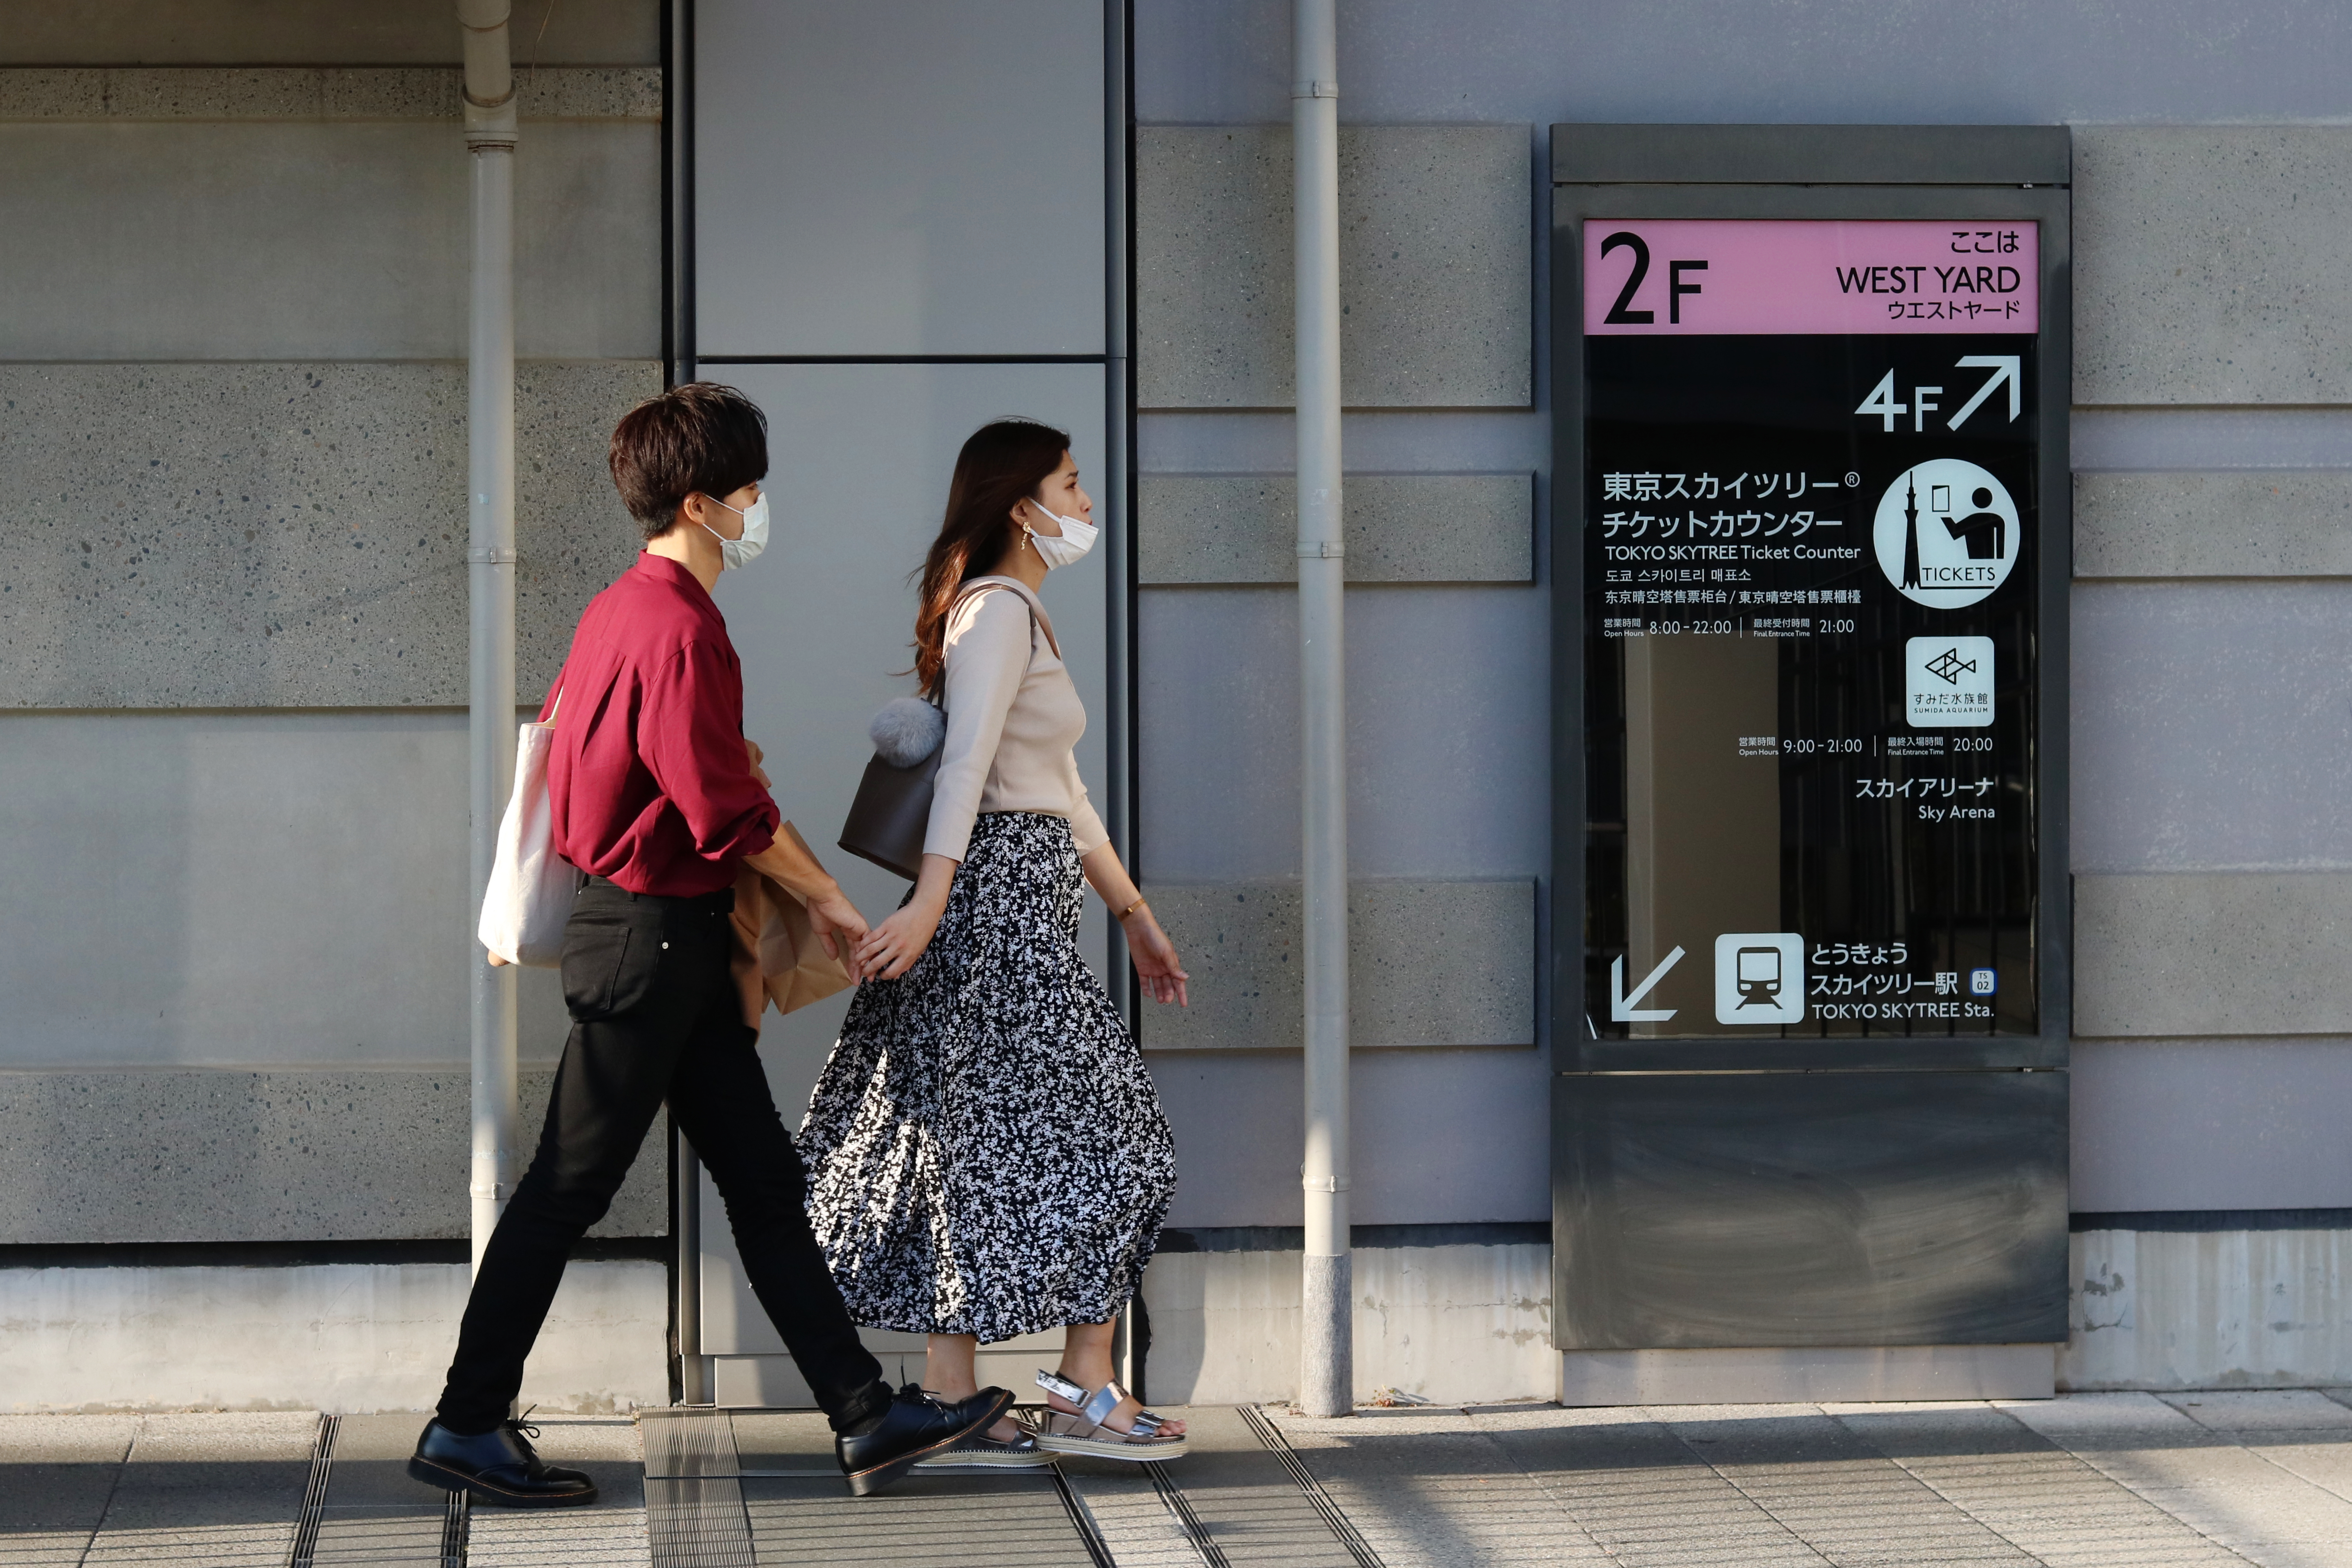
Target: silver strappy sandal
1085,1434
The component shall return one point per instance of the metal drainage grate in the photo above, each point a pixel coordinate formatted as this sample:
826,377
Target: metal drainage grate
314,1495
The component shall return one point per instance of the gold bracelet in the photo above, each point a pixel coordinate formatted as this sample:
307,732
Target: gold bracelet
1131,908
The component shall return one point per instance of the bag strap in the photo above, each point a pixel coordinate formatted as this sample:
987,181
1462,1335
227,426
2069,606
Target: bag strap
1037,614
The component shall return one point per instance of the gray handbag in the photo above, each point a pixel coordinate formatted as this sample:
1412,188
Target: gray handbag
892,810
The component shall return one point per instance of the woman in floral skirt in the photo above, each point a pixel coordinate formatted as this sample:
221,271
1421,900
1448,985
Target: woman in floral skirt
986,1154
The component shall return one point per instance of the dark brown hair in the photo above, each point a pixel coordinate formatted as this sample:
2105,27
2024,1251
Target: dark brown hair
1002,465
701,439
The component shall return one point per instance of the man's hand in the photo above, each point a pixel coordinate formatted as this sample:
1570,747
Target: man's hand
839,927
751,747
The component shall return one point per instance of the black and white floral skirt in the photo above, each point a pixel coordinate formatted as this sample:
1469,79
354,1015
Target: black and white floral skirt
986,1154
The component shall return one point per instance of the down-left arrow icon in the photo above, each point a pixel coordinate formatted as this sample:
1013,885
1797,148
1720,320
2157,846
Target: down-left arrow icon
1621,1006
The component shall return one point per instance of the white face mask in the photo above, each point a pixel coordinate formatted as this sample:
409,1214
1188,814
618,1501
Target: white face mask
1076,539
734,552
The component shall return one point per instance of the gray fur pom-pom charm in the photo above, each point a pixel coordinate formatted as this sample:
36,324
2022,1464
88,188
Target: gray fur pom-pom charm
907,730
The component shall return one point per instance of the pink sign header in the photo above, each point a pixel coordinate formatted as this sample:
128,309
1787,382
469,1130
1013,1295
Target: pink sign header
1750,278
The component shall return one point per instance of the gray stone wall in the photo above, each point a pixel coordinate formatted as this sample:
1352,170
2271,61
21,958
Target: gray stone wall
2213,856
1402,528
233,619
275,1155
1435,266
287,535
1445,662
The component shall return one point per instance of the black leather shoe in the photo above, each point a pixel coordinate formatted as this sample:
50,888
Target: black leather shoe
497,1467
916,1426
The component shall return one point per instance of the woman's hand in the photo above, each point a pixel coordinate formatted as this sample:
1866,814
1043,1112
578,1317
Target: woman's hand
891,948
1154,957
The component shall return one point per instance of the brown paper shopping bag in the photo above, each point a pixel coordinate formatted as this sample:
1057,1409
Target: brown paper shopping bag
778,958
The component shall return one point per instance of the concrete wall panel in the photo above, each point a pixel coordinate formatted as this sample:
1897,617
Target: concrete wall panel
302,32
217,1155
2212,727
2227,953
2246,524
240,888
1441,1137
2231,1309
1448,732
2211,1124
1228,62
264,535
2208,264
1402,528
1452,1324
1429,963
1435,258
316,241
346,1339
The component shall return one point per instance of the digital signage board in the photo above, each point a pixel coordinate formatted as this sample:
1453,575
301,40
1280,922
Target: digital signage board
1809,914
1812,517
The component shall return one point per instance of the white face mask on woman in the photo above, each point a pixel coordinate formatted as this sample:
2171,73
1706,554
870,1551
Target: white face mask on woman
1076,539
734,552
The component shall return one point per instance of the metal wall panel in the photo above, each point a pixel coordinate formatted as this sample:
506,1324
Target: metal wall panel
899,177
1831,1208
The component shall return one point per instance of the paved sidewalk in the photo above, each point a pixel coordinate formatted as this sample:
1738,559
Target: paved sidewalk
2119,1480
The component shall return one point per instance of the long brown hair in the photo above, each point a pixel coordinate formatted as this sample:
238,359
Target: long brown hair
1001,466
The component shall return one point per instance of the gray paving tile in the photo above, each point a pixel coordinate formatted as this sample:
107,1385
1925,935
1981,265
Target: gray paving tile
2327,1463
220,1489
379,1535
1245,1498
610,1530
66,1498
1846,1500
784,1440
2050,1504
2245,1516
30,1548
374,1512
370,1467
56,1475
1005,1521
1131,1516
1643,1495
67,1439
2244,1412
1432,1491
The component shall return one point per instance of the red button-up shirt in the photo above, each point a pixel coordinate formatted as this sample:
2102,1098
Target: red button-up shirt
648,778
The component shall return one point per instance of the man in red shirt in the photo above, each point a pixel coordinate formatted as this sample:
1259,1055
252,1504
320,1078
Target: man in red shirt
659,798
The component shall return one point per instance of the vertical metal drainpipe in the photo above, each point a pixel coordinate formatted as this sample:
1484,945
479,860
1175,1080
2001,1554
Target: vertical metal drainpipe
490,581
1327,1340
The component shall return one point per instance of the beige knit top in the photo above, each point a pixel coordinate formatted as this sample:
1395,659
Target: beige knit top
1013,718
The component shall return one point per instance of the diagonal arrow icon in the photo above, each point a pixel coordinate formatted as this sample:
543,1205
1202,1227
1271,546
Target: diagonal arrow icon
2004,368
1621,1006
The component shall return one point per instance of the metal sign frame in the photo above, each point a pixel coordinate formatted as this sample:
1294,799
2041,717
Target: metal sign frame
1855,172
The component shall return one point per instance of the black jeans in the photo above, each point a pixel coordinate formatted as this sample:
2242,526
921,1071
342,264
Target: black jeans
656,1015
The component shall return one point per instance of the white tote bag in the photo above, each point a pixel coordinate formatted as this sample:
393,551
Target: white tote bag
531,887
